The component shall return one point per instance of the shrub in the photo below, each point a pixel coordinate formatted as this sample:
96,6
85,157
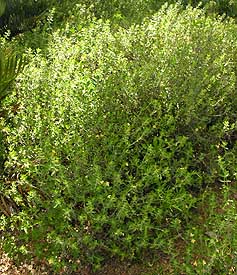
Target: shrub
123,11
116,134
127,12
22,15
227,7
11,64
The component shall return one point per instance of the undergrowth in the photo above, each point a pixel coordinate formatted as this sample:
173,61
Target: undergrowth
114,135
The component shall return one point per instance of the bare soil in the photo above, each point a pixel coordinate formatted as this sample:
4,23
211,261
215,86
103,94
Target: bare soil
7,267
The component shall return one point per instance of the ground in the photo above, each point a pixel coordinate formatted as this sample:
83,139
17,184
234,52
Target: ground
7,267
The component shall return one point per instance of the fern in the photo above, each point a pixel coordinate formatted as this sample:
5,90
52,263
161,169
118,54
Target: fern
10,66
2,7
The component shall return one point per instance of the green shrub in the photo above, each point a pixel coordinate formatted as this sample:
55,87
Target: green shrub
127,12
210,243
227,7
116,134
11,64
123,11
22,15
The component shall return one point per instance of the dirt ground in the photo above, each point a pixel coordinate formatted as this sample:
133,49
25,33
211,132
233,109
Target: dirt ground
7,267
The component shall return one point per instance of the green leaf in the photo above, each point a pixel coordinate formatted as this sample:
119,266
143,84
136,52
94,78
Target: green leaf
10,66
2,7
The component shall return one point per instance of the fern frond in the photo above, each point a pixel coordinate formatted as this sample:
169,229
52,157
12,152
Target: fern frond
10,66
2,7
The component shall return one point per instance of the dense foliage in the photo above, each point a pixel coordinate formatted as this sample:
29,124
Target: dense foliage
11,64
22,15
129,11
113,135
114,131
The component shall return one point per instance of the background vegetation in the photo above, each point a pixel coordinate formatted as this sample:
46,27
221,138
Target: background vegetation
118,138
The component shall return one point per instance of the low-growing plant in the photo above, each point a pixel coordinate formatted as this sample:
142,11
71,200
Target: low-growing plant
22,15
210,243
227,7
116,135
134,11
10,66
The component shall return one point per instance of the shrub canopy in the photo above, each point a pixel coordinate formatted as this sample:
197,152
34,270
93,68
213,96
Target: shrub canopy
115,134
